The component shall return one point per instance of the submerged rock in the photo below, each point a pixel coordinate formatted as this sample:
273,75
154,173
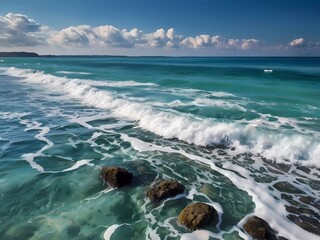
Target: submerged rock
259,229
198,215
73,230
164,189
116,177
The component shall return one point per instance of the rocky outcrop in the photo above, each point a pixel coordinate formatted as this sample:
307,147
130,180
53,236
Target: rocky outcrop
116,177
198,215
164,189
259,229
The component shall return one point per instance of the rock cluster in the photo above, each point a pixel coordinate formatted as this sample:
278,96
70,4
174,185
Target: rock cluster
194,216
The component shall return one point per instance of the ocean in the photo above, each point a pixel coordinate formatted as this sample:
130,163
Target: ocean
241,134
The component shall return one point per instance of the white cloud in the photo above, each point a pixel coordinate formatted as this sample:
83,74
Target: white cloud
19,30
161,38
250,43
299,42
108,35
80,35
85,35
200,41
171,33
113,36
219,42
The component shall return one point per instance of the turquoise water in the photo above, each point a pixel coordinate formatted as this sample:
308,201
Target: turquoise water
238,137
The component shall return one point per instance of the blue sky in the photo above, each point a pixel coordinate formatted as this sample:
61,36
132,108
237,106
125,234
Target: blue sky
200,27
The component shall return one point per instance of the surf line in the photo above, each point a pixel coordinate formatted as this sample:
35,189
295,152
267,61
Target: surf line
267,207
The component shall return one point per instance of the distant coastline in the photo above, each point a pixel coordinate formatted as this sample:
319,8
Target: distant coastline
19,54
33,54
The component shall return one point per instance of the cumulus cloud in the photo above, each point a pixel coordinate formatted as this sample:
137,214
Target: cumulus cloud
85,35
219,42
103,35
299,42
80,35
302,43
162,38
108,35
19,30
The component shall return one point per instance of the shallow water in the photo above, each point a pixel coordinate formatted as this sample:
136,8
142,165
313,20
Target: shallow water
242,139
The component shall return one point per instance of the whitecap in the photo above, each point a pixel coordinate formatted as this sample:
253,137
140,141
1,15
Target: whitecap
218,103
115,83
70,72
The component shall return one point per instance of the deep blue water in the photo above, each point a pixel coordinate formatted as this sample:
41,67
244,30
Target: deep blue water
232,130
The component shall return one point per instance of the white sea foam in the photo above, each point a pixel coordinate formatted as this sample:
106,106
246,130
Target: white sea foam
197,92
108,233
221,94
41,136
115,84
276,145
12,115
78,164
70,72
218,103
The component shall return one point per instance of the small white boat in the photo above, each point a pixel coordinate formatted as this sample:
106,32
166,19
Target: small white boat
268,70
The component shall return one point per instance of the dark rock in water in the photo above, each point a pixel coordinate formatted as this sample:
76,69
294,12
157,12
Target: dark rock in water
116,177
300,210
221,153
309,224
286,187
198,215
304,169
306,200
73,230
164,189
259,229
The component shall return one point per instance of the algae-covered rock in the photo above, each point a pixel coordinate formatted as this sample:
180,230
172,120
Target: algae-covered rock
116,177
164,189
259,229
198,215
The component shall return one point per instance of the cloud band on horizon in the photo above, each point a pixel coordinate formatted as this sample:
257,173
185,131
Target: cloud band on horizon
18,30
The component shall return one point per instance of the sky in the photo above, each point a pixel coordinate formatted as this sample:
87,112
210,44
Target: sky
162,27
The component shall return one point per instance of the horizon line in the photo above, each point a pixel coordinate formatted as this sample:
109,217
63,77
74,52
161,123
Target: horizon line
155,56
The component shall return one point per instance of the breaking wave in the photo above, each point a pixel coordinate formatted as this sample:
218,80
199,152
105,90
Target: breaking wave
245,137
